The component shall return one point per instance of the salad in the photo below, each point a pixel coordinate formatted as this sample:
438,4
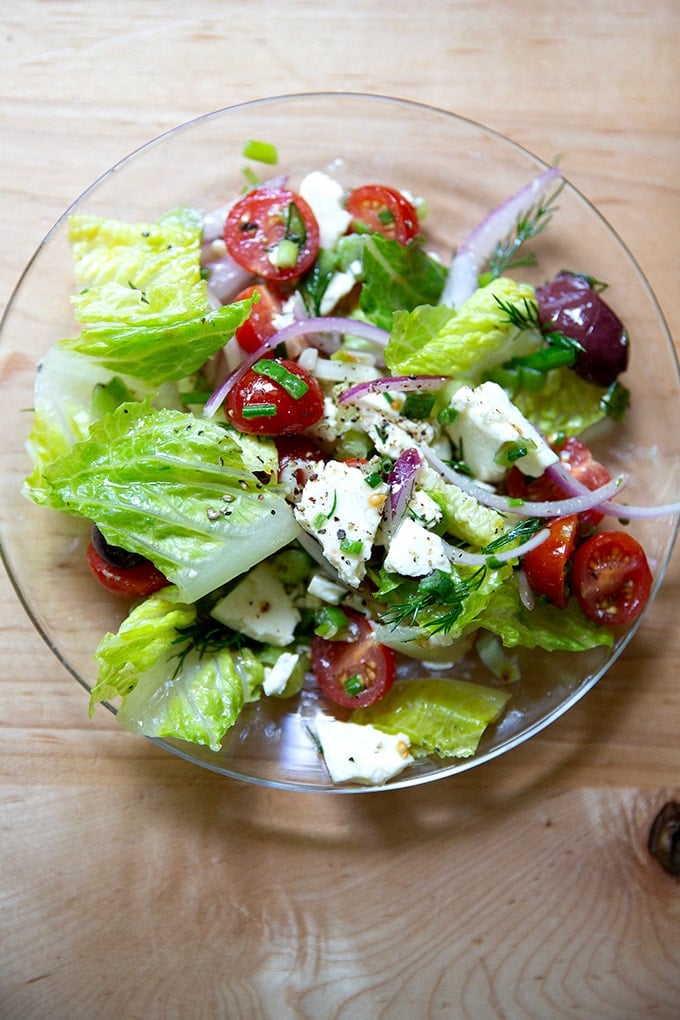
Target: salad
314,456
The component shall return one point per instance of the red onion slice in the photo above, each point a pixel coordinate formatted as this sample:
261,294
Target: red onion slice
561,475
463,275
527,508
299,328
465,558
401,483
404,383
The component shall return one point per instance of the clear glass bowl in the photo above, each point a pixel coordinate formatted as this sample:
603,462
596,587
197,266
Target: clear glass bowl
463,170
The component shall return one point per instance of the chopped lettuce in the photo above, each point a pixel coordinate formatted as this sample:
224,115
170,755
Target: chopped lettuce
397,277
436,340
444,717
143,305
544,626
175,489
565,405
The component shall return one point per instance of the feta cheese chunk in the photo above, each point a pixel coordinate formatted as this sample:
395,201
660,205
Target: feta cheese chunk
361,754
325,196
340,509
260,607
277,676
339,286
487,421
322,587
414,551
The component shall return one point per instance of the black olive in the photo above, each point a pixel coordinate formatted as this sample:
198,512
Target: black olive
113,554
664,838
571,305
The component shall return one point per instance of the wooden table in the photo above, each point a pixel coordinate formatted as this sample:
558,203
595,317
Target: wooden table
137,886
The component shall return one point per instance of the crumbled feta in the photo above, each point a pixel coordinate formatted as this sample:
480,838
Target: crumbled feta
339,286
322,587
277,676
361,754
325,196
339,507
424,509
391,439
414,551
260,607
487,421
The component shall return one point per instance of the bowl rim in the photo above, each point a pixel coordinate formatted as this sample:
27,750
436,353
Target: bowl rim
403,781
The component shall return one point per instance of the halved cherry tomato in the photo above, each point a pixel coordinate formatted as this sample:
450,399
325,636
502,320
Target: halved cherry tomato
547,566
611,578
384,211
258,224
259,326
357,672
262,406
576,456
133,582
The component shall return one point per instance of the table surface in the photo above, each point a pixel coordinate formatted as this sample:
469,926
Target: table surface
135,885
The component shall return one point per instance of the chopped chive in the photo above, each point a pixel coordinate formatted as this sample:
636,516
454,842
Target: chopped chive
374,479
386,216
285,254
509,452
291,383
262,152
352,547
296,231
447,415
329,622
259,411
354,685
321,519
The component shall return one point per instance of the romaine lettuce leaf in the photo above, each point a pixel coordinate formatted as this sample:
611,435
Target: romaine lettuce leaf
397,277
444,717
199,702
566,404
436,340
175,489
160,352
544,626
145,635
143,305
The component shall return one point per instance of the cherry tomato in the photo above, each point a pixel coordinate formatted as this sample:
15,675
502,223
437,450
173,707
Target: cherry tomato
259,326
576,456
262,406
357,672
611,578
263,219
137,581
385,211
547,566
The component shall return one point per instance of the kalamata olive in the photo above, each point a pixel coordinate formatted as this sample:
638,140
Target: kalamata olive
113,554
571,305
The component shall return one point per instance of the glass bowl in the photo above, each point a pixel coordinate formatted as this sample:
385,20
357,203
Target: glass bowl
463,170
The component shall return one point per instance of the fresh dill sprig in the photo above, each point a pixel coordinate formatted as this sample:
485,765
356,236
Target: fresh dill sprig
525,317
532,223
440,593
520,532
205,636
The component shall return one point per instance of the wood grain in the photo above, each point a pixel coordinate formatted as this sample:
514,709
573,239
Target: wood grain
136,886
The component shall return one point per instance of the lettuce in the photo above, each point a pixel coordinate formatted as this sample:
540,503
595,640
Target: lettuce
397,277
544,626
435,340
176,489
143,305
444,717
566,404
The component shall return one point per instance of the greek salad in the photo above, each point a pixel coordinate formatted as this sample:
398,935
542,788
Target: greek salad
314,455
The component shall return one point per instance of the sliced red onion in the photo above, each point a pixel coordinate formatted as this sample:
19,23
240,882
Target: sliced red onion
465,558
526,593
526,508
401,483
226,280
561,475
403,383
463,275
299,328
